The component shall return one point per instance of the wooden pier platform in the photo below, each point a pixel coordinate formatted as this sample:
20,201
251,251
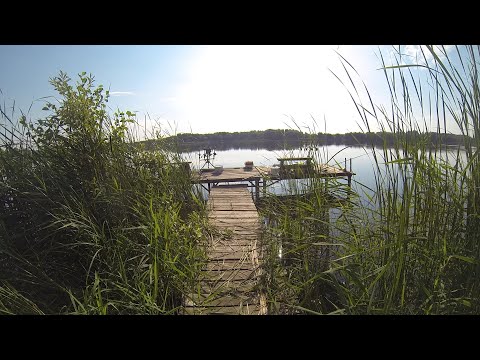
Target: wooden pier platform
260,172
229,282
260,175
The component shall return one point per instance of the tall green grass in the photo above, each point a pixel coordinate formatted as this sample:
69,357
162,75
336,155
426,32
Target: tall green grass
89,222
417,250
298,244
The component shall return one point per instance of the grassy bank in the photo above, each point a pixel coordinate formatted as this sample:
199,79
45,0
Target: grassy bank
417,250
90,224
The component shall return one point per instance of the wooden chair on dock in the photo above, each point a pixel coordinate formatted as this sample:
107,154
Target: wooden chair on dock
301,167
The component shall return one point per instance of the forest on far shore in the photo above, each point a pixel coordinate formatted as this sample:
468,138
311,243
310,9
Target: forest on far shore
280,139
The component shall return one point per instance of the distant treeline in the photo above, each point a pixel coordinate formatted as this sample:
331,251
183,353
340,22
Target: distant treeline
290,139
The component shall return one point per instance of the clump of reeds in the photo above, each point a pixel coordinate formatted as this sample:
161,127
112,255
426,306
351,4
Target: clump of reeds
91,223
417,250
298,244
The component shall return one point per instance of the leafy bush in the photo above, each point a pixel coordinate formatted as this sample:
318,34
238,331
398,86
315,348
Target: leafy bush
91,223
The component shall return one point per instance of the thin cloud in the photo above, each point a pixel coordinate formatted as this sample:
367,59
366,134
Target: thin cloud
419,56
416,55
167,99
121,93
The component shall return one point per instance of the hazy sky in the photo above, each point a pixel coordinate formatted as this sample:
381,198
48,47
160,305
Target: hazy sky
206,88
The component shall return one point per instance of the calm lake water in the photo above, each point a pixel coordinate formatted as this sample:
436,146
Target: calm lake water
362,162
363,165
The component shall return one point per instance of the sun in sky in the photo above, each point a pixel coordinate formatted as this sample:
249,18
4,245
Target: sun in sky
234,88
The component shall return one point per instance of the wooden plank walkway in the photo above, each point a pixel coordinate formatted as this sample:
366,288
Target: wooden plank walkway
229,282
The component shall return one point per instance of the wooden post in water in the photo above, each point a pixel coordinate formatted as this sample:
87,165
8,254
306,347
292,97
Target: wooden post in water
257,189
350,175
327,237
264,183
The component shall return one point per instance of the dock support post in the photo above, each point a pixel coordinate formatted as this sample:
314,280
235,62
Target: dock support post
209,188
350,180
264,183
327,234
257,189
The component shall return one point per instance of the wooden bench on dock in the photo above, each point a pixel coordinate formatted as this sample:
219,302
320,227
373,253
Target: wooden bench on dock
297,167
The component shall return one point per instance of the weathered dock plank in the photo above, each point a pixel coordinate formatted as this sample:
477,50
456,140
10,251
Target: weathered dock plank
226,310
229,282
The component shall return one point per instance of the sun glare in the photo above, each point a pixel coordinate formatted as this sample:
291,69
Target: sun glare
232,88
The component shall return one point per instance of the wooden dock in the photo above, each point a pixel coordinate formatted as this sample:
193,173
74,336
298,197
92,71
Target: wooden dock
260,175
261,172
229,282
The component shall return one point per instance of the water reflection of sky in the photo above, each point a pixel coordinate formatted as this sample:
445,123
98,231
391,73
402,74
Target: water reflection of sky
363,165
